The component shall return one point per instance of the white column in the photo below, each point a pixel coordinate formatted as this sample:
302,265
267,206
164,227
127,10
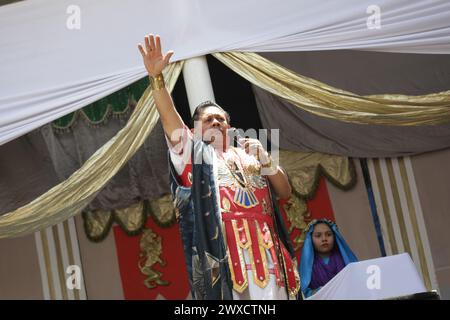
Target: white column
197,81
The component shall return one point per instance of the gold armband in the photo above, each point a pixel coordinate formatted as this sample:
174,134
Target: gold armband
157,82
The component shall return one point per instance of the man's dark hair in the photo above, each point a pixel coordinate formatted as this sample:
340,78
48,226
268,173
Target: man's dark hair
199,109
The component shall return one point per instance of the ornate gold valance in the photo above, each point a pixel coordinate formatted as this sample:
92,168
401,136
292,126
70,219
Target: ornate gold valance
131,220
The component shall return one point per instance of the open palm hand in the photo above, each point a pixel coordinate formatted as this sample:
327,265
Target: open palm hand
154,60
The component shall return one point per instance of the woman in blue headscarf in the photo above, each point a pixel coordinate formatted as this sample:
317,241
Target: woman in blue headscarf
325,253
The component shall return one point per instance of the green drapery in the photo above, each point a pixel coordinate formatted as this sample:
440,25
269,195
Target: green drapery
97,113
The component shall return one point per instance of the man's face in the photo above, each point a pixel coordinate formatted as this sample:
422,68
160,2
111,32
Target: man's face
214,124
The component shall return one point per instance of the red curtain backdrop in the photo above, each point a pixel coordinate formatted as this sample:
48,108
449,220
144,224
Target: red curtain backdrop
174,270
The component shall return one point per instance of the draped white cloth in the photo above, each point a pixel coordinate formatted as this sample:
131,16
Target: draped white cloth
382,278
49,67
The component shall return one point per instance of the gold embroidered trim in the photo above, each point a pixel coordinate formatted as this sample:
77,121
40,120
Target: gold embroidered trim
262,283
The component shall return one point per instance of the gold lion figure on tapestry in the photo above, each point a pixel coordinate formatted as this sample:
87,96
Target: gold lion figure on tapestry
151,249
298,216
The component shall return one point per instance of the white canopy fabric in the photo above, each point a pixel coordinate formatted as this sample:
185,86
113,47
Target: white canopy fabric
49,67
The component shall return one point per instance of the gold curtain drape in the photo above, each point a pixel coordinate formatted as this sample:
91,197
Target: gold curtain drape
326,101
72,195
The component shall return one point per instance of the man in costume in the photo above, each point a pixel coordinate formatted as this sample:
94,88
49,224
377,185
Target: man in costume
235,242
325,253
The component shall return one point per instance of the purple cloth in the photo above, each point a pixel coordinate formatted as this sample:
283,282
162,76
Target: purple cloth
322,272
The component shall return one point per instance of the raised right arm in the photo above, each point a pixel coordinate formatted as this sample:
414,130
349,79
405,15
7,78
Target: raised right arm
155,62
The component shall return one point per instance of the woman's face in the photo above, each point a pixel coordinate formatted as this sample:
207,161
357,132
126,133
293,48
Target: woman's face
323,238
